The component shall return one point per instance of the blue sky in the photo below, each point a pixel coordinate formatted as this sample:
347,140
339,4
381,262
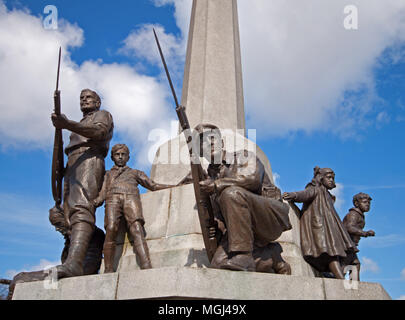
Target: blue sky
316,93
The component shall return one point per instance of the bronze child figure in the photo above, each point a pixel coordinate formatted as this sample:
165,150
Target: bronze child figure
121,195
325,242
354,223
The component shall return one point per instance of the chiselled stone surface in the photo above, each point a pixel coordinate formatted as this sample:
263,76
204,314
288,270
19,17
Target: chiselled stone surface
212,86
199,283
94,287
348,290
185,251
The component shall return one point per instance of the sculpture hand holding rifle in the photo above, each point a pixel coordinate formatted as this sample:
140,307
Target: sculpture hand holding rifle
57,158
204,207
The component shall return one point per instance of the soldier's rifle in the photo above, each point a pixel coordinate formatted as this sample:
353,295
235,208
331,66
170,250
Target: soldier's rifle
205,212
57,157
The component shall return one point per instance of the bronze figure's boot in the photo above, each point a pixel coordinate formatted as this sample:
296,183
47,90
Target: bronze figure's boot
240,261
142,252
80,238
108,251
140,246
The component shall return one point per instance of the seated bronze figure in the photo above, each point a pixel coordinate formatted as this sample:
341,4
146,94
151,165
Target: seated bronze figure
248,207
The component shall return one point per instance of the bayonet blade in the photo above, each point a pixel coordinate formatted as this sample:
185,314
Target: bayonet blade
57,75
166,69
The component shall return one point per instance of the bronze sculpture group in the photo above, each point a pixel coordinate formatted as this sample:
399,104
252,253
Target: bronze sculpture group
251,219
241,212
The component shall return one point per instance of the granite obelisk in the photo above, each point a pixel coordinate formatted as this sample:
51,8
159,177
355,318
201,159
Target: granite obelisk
212,87
212,93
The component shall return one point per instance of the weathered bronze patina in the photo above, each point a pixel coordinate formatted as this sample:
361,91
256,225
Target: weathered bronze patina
250,219
324,240
354,223
89,143
121,195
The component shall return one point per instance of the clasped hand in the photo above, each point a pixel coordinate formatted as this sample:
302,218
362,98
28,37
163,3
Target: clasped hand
207,186
289,196
59,121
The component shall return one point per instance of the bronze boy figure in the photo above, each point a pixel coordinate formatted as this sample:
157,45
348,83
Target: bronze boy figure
121,195
354,223
324,240
89,143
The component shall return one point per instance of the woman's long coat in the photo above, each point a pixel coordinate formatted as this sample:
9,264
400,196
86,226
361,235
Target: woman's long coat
323,236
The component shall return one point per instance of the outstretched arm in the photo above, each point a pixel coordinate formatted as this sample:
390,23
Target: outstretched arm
300,196
97,130
149,184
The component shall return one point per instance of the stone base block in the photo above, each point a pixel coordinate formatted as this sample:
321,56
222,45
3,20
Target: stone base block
187,251
199,283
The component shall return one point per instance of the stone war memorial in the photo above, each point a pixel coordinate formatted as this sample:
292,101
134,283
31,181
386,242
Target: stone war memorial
212,225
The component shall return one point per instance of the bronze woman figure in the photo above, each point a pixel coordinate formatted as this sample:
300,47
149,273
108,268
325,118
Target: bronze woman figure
324,240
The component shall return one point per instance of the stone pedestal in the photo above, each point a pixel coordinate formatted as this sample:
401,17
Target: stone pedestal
199,283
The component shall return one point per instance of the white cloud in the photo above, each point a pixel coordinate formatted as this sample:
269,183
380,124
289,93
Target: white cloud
368,264
403,274
182,10
276,178
304,71
43,265
139,43
386,241
383,118
300,63
28,61
402,297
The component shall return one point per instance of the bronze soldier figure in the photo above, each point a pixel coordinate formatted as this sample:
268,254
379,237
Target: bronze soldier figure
89,143
121,195
354,223
324,240
250,220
